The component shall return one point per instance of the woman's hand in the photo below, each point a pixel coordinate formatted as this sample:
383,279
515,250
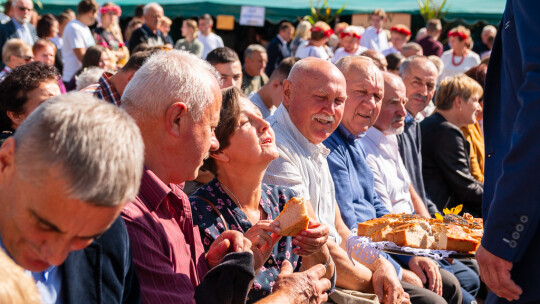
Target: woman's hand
263,236
312,239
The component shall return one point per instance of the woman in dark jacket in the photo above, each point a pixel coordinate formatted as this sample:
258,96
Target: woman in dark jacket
445,152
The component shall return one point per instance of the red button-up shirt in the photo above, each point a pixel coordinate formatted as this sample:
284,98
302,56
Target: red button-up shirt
167,250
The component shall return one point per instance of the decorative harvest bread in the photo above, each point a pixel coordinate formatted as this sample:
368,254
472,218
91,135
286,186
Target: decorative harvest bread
452,232
293,218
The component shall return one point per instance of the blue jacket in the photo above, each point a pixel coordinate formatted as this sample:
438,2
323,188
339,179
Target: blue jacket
8,31
102,272
276,51
511,204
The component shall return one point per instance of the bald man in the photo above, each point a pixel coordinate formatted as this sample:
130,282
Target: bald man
313,104
378,58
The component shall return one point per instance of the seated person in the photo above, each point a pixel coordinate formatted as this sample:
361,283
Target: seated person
445,152
23,91
15,53
242,203
182,111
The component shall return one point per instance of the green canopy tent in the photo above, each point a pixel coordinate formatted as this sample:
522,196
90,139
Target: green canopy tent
489,11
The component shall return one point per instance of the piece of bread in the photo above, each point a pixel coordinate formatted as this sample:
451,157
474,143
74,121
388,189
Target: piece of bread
367,228
293,218
410,235
454,237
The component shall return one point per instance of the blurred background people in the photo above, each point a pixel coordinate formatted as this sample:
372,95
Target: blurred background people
350,41
253,76
20,24
108,34
484,45
430,43
301,35
400,34
316,47
149,32
165,27
459,58
209,40
15,53
278,48
374,38
95,56
45,51
190,42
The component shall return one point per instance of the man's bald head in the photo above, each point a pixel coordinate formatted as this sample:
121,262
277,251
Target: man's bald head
365,90
378,59
314,95
392,117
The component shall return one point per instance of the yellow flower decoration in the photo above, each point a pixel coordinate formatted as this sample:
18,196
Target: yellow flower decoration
456,210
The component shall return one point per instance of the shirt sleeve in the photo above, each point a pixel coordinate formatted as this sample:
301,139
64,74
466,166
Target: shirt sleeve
159,283
379,183
285,171
75,38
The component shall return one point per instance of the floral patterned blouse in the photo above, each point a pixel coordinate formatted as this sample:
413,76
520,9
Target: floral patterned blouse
273,199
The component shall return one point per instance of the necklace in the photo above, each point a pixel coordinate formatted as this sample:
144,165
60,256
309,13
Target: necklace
237,202
462,58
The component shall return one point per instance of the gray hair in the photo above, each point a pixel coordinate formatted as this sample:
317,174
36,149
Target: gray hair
405,67
489,28
96,147
166,78
411,46
252,48
87,77
150,5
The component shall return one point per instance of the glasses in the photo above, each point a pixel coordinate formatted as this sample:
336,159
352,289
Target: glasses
26,58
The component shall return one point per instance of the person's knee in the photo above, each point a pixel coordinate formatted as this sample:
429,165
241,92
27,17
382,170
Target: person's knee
451,287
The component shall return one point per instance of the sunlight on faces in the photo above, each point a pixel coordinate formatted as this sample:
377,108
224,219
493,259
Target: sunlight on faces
153,17
255,65
253,141
350,44
231,74
37,96
398,40
420,84
186,30
46,55
42,224
392,117
199,137
470,109
365,88
315,99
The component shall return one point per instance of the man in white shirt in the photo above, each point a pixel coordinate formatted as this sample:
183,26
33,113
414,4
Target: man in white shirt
374,37
313,102
209,40
77,38
392,181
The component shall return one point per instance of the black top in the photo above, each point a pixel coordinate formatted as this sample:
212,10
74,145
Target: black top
446,166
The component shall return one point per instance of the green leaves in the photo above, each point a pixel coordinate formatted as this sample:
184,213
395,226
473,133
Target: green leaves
430,9
323,12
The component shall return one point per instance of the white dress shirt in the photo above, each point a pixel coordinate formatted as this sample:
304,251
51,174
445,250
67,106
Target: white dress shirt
302,166
373,40
392,180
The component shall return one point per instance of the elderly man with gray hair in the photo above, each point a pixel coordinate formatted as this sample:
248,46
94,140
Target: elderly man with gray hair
254,77
177,119
65,176
149,32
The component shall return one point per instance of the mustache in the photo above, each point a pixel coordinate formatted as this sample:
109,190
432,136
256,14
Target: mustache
424,98
323,117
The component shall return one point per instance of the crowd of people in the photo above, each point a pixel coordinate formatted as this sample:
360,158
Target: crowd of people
160,180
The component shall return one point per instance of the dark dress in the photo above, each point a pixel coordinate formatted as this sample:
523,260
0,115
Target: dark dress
272,201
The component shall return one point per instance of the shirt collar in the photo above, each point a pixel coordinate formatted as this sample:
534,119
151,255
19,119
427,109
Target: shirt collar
153,189
282,116
376,136
348,135
409,118
281,39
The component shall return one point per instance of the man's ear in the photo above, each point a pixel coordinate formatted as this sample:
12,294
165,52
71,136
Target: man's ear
276,83
7,158
287,92
175,114
458,103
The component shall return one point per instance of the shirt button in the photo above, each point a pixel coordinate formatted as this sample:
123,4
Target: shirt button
524,219
512,244
520,227
515,235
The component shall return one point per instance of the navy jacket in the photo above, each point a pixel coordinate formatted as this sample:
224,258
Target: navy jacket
8,31
276,51
511,206
102,272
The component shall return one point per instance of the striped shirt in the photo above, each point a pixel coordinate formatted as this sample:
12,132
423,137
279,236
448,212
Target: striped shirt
104,89
167,249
